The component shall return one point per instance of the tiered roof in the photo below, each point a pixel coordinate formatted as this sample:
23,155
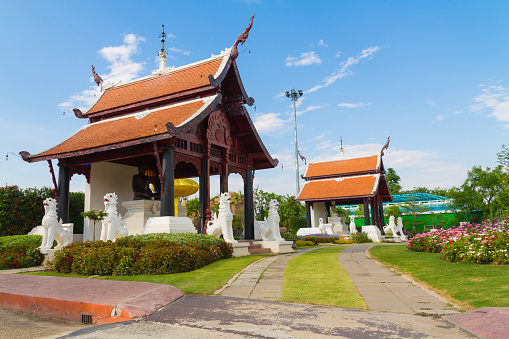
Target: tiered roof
138,111
347,180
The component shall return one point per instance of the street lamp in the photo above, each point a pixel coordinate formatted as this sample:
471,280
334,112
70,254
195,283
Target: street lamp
294,95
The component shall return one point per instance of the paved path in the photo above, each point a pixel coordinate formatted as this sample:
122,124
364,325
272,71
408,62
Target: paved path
384,290
260,280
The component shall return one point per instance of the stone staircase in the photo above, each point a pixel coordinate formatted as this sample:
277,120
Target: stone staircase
255,249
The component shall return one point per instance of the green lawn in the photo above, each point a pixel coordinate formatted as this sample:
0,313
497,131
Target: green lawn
318,278
467,284
202,281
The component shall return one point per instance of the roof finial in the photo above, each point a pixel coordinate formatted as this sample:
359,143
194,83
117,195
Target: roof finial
98,80
162,56
163,39
241,39
385,146
341,154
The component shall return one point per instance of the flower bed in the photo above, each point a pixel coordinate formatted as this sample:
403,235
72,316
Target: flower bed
145,254
480,243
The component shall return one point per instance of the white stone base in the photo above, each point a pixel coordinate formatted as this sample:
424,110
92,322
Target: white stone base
169,225
373,233
277,247
138,213
240,249
303,232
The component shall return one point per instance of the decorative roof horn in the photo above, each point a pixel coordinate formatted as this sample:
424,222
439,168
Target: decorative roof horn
241,39
386,146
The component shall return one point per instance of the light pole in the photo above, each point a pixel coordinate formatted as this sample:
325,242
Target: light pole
294,95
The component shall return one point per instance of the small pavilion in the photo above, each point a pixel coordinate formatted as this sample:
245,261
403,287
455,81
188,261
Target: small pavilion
184,122
345,182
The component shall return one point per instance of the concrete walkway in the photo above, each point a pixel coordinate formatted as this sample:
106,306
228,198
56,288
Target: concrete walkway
260,280
385,290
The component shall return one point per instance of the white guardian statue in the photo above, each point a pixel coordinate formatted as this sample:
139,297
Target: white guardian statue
221,223
399,229
391,228
269,228
52,228
113,225
353,229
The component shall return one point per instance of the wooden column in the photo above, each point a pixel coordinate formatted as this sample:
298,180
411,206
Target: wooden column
367,221
168,196
381,210
374,212
327,212
308,214
248,205
223,179
205,189
63,193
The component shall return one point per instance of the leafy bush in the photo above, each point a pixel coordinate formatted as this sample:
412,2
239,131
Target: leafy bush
142,254
321,239
34,240
304,243
343,241
360,238
19,255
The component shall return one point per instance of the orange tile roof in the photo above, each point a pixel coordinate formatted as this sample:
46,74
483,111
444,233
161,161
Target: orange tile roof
156,86
339,167
334,189
113,131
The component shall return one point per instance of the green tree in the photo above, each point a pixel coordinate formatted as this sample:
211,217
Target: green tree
503,158
393,181
414,208
394,211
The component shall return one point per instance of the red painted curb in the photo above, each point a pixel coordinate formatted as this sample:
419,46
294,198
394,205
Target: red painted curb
106,301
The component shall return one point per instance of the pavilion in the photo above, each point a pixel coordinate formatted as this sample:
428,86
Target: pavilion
189,121
345,182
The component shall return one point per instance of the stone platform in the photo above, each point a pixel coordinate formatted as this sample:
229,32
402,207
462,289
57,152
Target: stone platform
85,300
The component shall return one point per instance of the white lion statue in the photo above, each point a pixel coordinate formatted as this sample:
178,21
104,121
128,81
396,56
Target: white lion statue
52,228
221,223
391,228
269,228
399,229
113,225
353,228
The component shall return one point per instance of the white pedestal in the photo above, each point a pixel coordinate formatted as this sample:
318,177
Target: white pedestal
339,228
169,225
240,249
277,247
303,232
138,213
373,233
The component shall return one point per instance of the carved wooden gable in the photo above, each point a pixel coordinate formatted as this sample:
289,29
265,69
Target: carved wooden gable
218,129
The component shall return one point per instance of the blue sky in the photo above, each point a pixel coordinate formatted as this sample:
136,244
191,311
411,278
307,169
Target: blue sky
432,75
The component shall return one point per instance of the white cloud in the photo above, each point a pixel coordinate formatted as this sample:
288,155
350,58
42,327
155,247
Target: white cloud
354,105
269,122
305,59
440,117
122,68
338,54
457,111
308,109
344,70
494,99
431,103
178,50
321,43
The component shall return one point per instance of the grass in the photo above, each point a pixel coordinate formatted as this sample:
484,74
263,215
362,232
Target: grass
202,281
467,284
318,278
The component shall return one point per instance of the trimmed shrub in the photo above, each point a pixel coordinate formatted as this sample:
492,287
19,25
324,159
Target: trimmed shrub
304,243
343,241
360,238
19,255
142,254
34,240
321,239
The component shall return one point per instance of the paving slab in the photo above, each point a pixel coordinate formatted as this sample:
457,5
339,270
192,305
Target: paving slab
385,290
101,301
486,322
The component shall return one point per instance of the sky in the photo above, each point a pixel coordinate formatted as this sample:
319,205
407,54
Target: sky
432,75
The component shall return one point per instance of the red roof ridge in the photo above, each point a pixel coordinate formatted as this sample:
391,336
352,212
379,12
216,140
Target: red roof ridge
225,55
